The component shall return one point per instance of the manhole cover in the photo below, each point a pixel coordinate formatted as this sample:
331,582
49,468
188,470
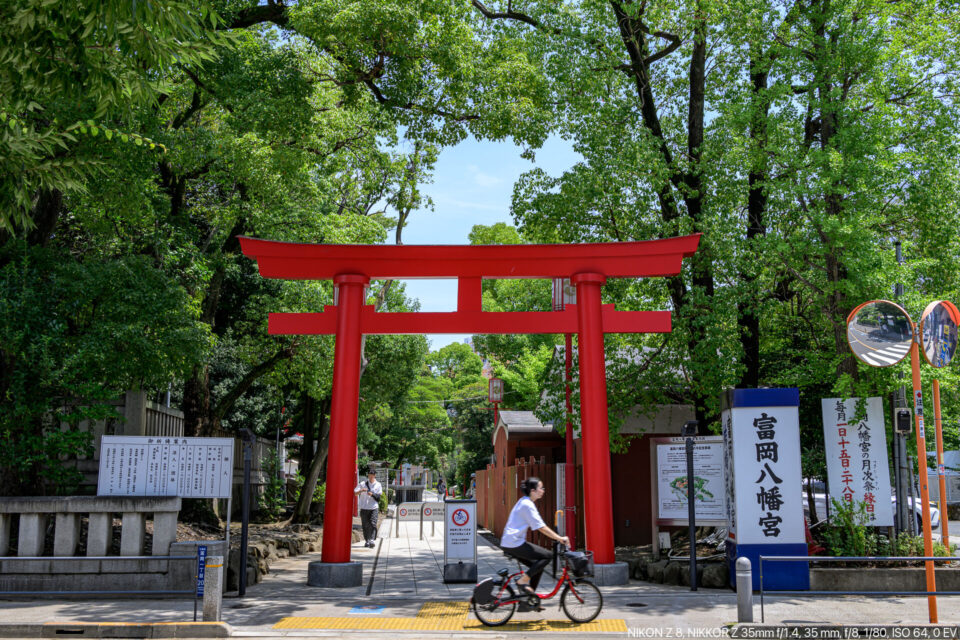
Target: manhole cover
636,604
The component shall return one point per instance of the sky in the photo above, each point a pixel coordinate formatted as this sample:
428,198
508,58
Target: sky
472,184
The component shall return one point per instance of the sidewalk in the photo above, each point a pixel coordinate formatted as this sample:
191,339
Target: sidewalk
403,595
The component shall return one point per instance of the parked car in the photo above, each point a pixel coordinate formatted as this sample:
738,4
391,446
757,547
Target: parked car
820,503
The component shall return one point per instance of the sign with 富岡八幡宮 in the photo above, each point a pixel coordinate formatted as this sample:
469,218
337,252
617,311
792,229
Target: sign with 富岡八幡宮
856,451
763,445
761,438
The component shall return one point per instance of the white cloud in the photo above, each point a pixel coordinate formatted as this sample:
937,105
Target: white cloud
483,179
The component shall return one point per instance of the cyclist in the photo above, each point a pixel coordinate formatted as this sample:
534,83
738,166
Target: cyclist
524,517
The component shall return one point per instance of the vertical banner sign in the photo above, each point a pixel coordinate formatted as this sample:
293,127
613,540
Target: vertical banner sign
762,450
201,568
857,457
460,541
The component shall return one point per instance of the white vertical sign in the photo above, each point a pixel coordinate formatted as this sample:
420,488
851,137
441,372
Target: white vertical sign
763,460
856,453
460,532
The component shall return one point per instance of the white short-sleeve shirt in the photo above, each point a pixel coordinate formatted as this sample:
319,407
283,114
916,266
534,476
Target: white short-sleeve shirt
523,517
371,500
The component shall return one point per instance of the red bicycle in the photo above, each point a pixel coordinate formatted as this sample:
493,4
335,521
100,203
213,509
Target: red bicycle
495,600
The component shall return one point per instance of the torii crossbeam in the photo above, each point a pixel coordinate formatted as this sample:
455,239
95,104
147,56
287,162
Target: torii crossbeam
351,267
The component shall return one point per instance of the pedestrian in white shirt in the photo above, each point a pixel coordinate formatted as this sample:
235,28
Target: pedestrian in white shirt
523,518
369,491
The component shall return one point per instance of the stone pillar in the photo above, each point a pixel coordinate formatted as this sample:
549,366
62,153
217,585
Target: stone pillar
33,529
66,534
213,589
135,411
132,533
164,532
99,534
4,533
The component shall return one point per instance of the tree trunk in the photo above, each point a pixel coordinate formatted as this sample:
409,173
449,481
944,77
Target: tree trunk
196,402
301,512
45,215
309,422
748,320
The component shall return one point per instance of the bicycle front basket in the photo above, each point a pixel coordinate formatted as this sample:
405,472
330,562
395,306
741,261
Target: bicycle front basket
580,563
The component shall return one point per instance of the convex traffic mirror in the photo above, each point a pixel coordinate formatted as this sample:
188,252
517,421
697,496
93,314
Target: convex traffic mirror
879,333
938,328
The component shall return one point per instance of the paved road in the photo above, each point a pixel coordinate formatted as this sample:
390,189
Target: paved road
402,575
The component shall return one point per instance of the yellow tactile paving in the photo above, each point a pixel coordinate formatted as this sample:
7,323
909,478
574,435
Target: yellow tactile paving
613,625
446,616
444,610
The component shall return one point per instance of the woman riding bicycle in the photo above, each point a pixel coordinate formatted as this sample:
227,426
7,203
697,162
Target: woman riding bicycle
524,517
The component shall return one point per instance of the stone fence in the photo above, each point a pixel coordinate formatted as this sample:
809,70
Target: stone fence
84,527
143,417
140,417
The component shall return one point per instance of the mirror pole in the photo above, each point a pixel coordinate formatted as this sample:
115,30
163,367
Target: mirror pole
922,472
941,475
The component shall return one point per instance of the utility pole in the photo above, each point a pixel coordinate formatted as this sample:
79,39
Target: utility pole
902,474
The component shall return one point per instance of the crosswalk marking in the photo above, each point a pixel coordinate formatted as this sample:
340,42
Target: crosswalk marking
886,356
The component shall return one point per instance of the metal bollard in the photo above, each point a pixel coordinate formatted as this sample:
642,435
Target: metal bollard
213,589
744,590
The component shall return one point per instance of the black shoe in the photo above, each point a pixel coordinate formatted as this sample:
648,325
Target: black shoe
531,603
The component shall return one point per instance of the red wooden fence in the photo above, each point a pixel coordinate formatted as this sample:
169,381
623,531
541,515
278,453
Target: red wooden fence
498,490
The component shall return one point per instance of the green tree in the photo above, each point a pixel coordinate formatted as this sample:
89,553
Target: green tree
74,336
79,69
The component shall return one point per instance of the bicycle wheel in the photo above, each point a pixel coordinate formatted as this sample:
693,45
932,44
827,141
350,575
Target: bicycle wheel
495,614
581,602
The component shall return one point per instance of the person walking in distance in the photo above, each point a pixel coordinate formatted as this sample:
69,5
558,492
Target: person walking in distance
523,518
369,491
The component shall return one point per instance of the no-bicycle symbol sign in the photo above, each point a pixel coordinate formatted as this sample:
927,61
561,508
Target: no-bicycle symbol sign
427,511
403,512
460,517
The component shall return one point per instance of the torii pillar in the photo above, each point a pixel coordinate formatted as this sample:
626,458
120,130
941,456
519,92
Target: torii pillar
595,425
351,267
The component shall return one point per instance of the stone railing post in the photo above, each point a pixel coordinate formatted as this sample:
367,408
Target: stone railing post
213,589
66,534
33,529
4,534
135,411
99,533
132,533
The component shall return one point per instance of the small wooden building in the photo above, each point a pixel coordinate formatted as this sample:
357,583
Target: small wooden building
523,447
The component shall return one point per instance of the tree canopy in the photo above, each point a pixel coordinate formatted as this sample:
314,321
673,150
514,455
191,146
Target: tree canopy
138,141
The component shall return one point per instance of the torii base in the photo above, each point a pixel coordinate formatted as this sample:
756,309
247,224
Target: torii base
337,575
608,575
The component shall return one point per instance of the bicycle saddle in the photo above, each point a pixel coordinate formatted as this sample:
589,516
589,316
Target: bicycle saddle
503,573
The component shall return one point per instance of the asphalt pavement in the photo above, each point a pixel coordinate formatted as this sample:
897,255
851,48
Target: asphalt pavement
403,595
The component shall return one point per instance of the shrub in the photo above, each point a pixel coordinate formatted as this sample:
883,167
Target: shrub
273,500
319,492
383,503
847,534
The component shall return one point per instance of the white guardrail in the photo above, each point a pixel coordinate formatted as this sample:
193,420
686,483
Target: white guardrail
432,512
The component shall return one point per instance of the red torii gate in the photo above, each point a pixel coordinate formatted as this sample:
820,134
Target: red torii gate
351,267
